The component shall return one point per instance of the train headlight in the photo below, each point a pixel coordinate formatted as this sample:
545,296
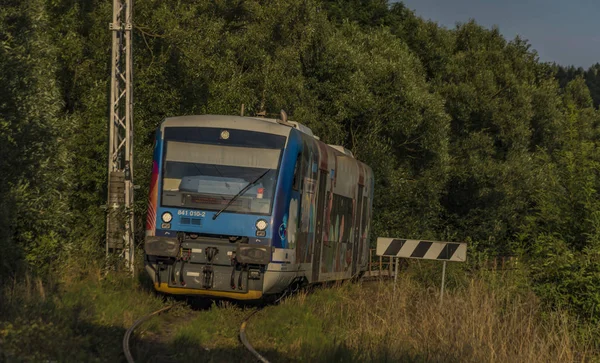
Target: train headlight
261,224
167,217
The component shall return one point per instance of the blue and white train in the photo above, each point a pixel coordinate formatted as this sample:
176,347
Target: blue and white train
246,208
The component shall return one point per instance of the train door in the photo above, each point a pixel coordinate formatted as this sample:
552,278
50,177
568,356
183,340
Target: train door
316,263
356,242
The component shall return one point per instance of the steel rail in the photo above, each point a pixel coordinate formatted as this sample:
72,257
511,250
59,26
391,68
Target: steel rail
245,341
242,333
129,331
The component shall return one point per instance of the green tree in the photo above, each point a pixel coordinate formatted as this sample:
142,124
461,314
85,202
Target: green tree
564,75
563,232
33,189
371,86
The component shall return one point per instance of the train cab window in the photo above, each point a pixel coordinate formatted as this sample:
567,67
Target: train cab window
199,173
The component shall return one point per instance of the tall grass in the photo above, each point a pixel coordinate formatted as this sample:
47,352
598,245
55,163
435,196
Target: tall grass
486,316
482,321
73,320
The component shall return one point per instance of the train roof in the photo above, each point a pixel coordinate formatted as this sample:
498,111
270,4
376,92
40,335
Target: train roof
261,124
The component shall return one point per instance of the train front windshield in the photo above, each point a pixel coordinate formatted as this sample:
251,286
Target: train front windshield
206,167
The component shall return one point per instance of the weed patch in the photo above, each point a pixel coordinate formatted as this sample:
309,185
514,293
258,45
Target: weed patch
488,316
83,321
481,321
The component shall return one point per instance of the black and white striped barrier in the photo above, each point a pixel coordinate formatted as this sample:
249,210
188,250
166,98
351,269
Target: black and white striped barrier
428,250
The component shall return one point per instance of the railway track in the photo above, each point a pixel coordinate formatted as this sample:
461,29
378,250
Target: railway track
242,331
138,322
242,334
245,341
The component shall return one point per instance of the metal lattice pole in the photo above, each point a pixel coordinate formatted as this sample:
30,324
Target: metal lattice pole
120,219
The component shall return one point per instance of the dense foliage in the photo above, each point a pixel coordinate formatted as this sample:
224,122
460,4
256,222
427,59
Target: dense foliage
564,75
470,136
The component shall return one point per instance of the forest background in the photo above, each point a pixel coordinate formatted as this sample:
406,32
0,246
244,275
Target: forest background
470,136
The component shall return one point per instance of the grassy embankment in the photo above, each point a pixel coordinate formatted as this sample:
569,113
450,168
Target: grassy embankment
489,316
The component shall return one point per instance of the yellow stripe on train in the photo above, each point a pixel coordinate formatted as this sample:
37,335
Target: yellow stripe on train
250,295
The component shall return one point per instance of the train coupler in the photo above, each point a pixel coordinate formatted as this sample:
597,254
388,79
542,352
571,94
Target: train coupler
208,277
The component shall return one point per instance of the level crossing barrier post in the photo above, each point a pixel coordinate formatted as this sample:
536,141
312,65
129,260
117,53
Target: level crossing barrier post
396,272
443,281
428,250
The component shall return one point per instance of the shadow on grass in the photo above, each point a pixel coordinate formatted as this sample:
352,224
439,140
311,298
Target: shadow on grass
188,350
343,353
36,340
183,350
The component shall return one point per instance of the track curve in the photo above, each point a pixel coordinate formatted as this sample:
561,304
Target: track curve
245,341
242,332
129,331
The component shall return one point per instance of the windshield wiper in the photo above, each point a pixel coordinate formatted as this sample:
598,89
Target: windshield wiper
240,193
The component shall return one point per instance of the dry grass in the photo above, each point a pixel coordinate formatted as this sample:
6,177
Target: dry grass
476,324
487,317
481,321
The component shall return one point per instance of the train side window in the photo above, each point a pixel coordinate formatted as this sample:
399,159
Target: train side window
297,173
365,216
